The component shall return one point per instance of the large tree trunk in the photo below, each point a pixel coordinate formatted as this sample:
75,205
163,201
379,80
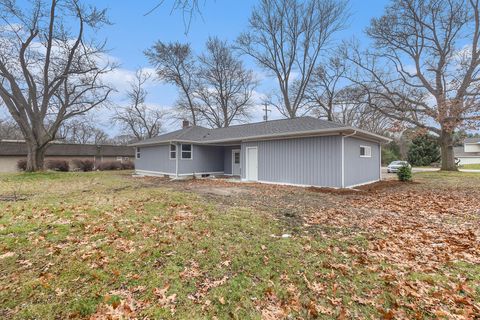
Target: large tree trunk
35,157
446,146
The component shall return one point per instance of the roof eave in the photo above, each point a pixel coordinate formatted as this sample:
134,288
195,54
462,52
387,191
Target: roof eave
330,131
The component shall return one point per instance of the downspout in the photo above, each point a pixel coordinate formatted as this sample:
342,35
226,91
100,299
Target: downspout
380,157
343,155
176,160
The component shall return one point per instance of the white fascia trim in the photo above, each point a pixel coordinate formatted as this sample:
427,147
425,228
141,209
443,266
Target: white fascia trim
153,173
287,184
159,173
306,185
362,184
199,173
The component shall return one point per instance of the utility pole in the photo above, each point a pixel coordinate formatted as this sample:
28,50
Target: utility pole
265,117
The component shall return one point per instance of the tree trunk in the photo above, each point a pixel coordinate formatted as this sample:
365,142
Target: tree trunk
35,157
446,146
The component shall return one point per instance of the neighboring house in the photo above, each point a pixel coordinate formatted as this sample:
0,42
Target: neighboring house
304,151
469,153
13,150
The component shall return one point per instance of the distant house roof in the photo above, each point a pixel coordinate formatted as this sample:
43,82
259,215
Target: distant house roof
459,152
472,140
19,148
255,131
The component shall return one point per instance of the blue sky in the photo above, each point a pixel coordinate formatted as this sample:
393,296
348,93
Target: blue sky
132,32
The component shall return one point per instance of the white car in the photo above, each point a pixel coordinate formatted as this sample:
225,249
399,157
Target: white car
395,165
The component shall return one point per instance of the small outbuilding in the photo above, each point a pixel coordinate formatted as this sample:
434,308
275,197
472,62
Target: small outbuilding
304,151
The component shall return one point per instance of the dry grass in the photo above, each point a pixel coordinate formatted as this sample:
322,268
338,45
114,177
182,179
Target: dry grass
105,245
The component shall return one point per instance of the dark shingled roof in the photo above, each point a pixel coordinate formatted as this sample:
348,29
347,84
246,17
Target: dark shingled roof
16,148
459,152
283,127
472,140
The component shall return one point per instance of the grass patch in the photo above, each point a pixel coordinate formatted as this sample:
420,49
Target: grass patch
473,166
86,244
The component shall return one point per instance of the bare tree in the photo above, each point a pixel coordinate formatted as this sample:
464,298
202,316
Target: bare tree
9,130
137,118
82,131
323,92
49,70
224,86
425,66
351,108
189,9
175,64
286,38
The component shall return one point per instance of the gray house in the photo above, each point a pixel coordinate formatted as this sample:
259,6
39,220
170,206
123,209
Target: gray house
304,151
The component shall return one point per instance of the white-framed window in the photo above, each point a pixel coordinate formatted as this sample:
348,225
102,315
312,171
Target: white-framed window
187,151
137,153
173,151
119,158
236,157
365,151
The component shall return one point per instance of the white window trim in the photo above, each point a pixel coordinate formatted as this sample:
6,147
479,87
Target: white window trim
181,151
137,153
368,152
170,151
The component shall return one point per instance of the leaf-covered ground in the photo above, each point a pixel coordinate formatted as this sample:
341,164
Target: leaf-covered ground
109,246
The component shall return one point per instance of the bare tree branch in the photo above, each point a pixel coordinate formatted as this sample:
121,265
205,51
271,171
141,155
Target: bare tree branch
424,67
224,88
49,71
138,119
286,38
175,64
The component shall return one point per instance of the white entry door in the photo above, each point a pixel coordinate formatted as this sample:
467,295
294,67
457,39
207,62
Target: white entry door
252,164
236,162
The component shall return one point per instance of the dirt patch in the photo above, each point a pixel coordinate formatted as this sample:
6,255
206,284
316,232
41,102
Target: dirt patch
219,191
12,198
385,184
332,190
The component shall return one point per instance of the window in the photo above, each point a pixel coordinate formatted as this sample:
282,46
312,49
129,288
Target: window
119,158
186,151
236,158
365,152
173,151
137,153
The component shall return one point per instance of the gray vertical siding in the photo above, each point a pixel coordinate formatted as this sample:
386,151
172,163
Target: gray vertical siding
314,161
227,158
155,158
205,159
360,170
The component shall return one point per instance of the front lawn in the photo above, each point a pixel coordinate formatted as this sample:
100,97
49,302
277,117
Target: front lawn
105,245
475,166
